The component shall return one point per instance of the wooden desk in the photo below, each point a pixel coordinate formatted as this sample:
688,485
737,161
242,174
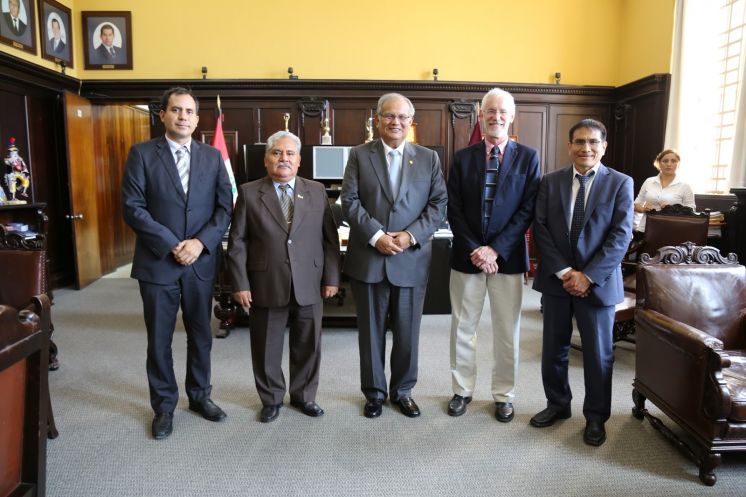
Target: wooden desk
340,311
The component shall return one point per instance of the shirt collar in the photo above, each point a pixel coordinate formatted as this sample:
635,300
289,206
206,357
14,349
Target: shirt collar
291,183
175,146
388,149
594,169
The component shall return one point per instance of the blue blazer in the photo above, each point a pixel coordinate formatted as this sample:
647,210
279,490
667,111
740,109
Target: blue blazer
605,236
161,215
512,210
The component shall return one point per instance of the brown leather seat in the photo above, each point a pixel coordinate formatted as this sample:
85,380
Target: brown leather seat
691,350
24,277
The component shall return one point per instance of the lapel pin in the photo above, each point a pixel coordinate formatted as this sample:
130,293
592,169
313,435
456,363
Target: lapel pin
300,196
411,162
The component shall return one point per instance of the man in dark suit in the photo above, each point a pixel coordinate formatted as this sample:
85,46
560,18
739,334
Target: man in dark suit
177,198
107,52
55,45
16,25
283,257
492,189
394,198
582,228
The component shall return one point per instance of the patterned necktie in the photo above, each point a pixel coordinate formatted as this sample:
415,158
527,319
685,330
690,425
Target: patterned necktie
578,212
394,171
15,23
286,203
182,165
490,186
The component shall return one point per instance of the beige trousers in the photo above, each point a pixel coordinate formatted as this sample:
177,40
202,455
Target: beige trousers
468,292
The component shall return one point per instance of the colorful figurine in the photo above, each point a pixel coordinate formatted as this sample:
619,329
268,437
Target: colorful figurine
17,172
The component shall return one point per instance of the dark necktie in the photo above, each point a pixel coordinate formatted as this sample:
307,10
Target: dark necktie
490,186
286,203
578,212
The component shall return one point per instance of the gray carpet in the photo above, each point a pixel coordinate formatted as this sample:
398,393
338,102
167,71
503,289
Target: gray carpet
101,405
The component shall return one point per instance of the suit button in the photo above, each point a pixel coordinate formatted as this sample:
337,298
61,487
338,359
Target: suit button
290,242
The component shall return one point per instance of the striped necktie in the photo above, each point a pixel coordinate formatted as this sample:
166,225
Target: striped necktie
286,203
182,165
490,186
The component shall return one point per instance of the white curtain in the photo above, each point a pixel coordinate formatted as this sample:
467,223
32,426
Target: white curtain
696,79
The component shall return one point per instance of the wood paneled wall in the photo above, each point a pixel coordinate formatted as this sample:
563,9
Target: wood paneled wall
445,115
118,127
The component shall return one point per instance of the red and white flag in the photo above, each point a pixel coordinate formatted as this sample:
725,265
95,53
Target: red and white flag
218,141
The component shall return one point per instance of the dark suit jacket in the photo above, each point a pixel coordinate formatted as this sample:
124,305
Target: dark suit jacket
21,25
161,215
368,205
605,236
512,210
266,259
60,46
102,56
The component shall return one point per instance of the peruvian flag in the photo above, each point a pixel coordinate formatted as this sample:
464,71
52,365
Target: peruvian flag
218,141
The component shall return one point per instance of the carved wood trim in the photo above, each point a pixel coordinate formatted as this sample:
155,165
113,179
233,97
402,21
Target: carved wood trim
311,107
461,109
688,253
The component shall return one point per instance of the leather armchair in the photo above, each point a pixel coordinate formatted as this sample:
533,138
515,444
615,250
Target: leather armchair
691,350
24,286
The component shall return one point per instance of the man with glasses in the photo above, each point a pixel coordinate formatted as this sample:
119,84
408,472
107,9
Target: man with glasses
492,188
582,228
394,198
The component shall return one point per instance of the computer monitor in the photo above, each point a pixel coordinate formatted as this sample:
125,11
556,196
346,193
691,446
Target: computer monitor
329,162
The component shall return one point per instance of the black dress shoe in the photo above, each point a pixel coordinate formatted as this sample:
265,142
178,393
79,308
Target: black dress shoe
373,408
308,408
549,416
208,409
408,407
457,405
594,433
504,411
269,413
162,425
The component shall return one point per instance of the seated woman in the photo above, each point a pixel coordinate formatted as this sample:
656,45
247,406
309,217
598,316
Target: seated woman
662,190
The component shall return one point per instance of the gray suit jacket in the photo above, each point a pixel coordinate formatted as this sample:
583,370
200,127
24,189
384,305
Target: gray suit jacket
267,259
161,215
605,236
368,205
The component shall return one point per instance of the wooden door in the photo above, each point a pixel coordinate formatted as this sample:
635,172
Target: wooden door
83,218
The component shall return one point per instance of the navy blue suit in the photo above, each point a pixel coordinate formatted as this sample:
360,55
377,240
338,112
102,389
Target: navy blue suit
605,236
162,215
512,209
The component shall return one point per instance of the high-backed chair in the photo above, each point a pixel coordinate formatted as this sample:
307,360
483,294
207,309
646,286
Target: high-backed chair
24,277
691,350
24,348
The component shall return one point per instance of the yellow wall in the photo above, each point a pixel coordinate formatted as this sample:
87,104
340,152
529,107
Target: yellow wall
604,42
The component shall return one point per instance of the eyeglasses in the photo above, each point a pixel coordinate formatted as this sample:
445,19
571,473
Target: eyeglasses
391,117
494,112
593,142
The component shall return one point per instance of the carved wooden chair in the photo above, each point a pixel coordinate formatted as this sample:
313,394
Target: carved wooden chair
24,394
691,350
24,279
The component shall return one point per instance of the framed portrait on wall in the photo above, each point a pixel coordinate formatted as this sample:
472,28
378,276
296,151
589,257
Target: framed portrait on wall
18,25
56,31
107,39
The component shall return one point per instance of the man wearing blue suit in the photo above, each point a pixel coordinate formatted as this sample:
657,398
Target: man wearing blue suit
582,228
394,198
177,198
492,188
